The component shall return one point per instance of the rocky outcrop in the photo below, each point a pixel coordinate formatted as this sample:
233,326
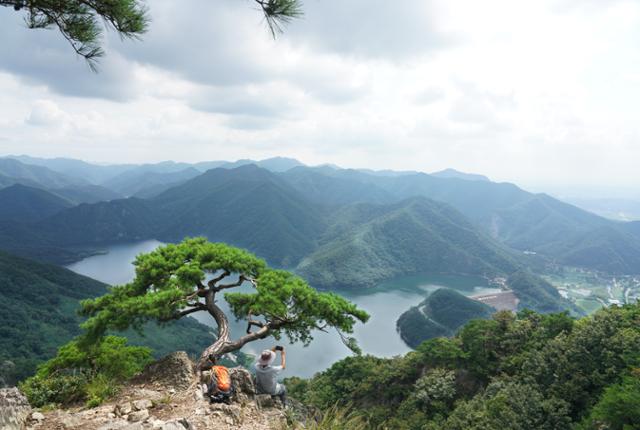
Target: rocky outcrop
168,395
175,370
14,409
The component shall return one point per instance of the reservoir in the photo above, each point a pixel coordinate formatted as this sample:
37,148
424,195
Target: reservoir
384,303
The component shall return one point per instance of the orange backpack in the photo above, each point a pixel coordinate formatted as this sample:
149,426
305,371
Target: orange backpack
223,379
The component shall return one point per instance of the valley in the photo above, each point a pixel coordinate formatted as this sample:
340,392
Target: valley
371,236
385,302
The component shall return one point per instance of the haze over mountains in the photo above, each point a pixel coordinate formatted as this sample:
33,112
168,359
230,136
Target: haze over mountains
340,228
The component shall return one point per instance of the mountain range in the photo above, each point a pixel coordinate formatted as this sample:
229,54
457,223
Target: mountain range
340,228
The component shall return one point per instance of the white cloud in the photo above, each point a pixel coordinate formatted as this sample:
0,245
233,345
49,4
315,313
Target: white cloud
46,113
529,92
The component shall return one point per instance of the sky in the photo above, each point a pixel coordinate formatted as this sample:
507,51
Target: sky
543,94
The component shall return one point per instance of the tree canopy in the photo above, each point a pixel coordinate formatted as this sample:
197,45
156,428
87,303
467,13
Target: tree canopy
522,371
79,21
180,279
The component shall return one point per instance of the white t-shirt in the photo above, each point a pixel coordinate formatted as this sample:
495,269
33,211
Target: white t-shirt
267,378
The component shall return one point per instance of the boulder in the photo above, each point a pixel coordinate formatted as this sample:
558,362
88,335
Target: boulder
181,424
137,416
37,416
174,371
14,409
265,401
70,422
123,409
243,381
142,404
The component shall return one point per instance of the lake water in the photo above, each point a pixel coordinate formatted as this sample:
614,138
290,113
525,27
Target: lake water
384,303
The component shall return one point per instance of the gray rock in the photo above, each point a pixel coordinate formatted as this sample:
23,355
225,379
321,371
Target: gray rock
139,405
265,401
181,424
123,409
70,422
117,425
242,380
157,424
37,416
134,426
14,409
174,371
137,416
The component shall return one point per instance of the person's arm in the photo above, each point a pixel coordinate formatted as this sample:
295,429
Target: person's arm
283,358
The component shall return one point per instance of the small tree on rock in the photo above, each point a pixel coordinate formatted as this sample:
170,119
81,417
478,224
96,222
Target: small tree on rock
178,280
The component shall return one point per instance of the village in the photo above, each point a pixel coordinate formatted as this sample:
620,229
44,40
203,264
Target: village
590,290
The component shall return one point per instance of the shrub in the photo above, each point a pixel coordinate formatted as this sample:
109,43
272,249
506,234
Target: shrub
82,372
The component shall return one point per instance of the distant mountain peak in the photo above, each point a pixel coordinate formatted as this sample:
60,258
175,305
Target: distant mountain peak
456,174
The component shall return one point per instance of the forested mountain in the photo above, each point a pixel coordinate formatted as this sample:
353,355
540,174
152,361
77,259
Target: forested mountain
441,314
370,243
275,164
36,175
322,186
248,207
525,371
39,303
72,188
93,173
521,220
137,181
21,203
375,225
87,194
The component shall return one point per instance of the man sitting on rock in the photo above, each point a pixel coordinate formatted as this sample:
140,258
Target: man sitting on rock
267,374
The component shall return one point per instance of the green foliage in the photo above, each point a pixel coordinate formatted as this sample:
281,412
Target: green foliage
80,21
509,405
281,294
279,13
80,372
170,279
366,244
62,389
535,293
333,419
618,408
99,389
39,305
440,314
519,371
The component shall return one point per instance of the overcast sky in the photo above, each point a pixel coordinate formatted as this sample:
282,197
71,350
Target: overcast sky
539,92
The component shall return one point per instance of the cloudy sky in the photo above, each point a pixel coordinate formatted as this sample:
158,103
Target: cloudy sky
539,93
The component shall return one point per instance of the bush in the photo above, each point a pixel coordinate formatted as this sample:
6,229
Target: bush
82,372
99,389
618,408
59,389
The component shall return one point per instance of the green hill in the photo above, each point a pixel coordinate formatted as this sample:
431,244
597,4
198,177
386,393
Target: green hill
21,203
247,207
371,243
525,371
40,175
440,314
521,220
137,181
39,304
536,294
